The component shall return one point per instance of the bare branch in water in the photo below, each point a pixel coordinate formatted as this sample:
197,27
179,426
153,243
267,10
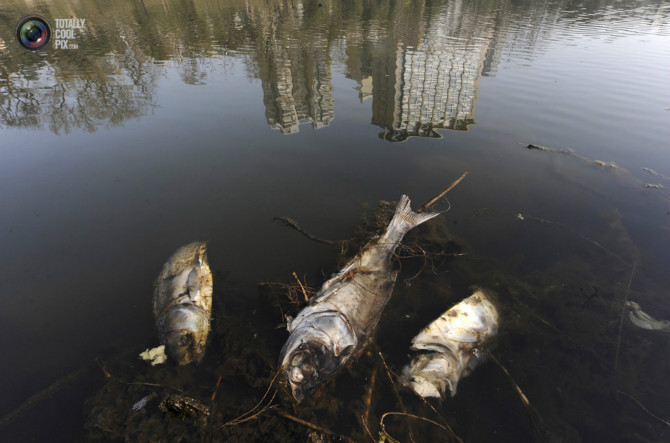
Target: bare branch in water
292,224
442,194
405,414
312,425
253,412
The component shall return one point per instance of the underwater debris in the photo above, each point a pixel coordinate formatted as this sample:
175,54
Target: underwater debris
156,355
645,321
336,324
183,303
653,186
143,402
452,345
183,407
656,173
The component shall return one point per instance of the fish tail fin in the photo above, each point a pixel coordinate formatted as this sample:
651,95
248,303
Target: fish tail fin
405,220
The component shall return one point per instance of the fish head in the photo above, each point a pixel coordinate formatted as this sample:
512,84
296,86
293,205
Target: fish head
183,331
315,352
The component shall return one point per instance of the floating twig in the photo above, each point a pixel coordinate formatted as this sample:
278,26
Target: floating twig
442,194
292,224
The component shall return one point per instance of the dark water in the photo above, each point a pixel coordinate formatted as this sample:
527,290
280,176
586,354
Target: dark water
199,120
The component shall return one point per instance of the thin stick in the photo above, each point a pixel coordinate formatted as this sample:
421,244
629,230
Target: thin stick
147,384
367,429
523,397
405,414
408,386
368,397
242,418
311,425
642,406
388,373
442,194
301,286
623,312
216,388
42,395
536,418
292,224
102,368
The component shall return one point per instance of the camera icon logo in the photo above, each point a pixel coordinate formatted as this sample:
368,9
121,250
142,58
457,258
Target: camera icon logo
33,32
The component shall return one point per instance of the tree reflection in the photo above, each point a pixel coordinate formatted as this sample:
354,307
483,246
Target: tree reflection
420,62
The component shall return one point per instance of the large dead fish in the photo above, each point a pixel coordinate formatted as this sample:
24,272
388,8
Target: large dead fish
183,303
341,317
452,345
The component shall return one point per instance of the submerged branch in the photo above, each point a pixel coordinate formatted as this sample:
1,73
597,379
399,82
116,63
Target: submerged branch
643,407
44,394
250,414
312,425
292,224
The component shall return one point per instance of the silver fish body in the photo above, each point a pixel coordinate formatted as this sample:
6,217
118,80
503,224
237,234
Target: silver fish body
343,315
452,345
645,321
183,303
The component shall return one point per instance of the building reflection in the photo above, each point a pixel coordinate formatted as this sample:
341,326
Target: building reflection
297,89
433,85
419,62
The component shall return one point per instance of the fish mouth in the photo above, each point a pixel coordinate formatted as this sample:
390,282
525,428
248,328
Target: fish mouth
307,367
184,331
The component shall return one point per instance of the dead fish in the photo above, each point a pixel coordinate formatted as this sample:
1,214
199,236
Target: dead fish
645,321
183,303
452,345
342,316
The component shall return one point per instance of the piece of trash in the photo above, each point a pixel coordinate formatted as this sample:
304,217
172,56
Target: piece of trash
344,313
520,217
643,320
143,402
156,355
653,186
183,303
452,345
183,407
538,147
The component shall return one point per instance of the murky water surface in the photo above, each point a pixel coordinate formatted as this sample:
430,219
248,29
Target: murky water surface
169,122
